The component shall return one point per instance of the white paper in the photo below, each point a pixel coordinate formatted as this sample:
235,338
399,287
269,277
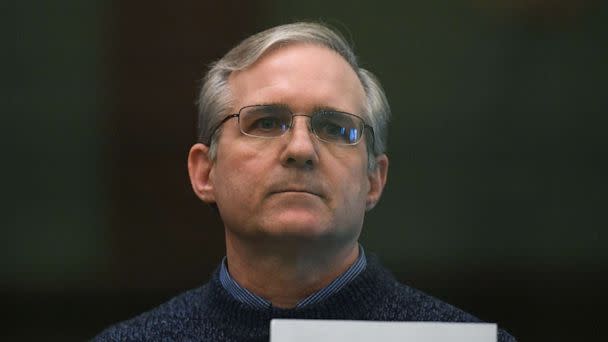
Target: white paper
303,330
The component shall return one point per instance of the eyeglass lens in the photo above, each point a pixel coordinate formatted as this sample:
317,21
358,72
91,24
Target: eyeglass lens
272,121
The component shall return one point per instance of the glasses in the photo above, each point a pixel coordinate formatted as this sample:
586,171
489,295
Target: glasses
272,121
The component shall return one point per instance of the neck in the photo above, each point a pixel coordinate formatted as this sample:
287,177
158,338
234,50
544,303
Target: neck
285,272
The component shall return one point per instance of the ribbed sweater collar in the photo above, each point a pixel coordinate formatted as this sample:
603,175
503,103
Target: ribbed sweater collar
353,301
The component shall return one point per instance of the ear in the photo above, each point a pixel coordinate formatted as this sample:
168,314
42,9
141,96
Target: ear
377,180
199,169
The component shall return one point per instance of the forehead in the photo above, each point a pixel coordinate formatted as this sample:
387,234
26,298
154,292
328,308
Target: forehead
303,76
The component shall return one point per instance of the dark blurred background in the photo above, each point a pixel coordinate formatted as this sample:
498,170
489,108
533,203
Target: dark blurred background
497,185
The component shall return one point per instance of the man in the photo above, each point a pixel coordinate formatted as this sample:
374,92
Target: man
293,135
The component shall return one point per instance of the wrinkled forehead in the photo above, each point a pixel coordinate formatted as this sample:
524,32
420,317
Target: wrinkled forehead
302,76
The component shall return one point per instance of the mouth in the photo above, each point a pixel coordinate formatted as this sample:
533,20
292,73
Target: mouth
296,191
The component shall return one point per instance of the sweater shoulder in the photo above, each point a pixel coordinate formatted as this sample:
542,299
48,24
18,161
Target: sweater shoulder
404,303
175,317
400,302
411,304
407,303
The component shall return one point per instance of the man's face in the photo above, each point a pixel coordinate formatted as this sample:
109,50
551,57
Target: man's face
293,186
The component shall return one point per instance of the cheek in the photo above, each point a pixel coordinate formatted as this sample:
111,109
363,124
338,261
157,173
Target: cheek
353,185
238,177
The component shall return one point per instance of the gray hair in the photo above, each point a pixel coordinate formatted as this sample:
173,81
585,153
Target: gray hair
214,100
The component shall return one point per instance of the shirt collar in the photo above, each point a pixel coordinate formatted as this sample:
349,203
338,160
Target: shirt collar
245,296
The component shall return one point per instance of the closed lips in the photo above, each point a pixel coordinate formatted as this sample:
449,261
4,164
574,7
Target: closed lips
296,190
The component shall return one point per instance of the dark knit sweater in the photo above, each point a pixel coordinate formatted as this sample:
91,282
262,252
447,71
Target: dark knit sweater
209,313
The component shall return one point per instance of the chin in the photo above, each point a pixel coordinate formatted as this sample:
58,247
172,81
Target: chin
303,225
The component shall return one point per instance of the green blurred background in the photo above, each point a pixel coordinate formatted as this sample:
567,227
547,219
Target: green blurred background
497,184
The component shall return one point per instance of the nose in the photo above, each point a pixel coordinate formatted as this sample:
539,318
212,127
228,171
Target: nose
301,149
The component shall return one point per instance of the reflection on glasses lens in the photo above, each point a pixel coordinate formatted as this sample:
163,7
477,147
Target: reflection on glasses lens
272,121
337,127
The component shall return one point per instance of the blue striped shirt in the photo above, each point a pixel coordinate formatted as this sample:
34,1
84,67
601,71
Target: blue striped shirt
245,296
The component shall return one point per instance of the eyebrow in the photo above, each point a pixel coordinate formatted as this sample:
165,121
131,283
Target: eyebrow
315,109
275,104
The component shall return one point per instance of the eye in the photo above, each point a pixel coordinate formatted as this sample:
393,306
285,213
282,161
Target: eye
266,123
332,129
336,127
